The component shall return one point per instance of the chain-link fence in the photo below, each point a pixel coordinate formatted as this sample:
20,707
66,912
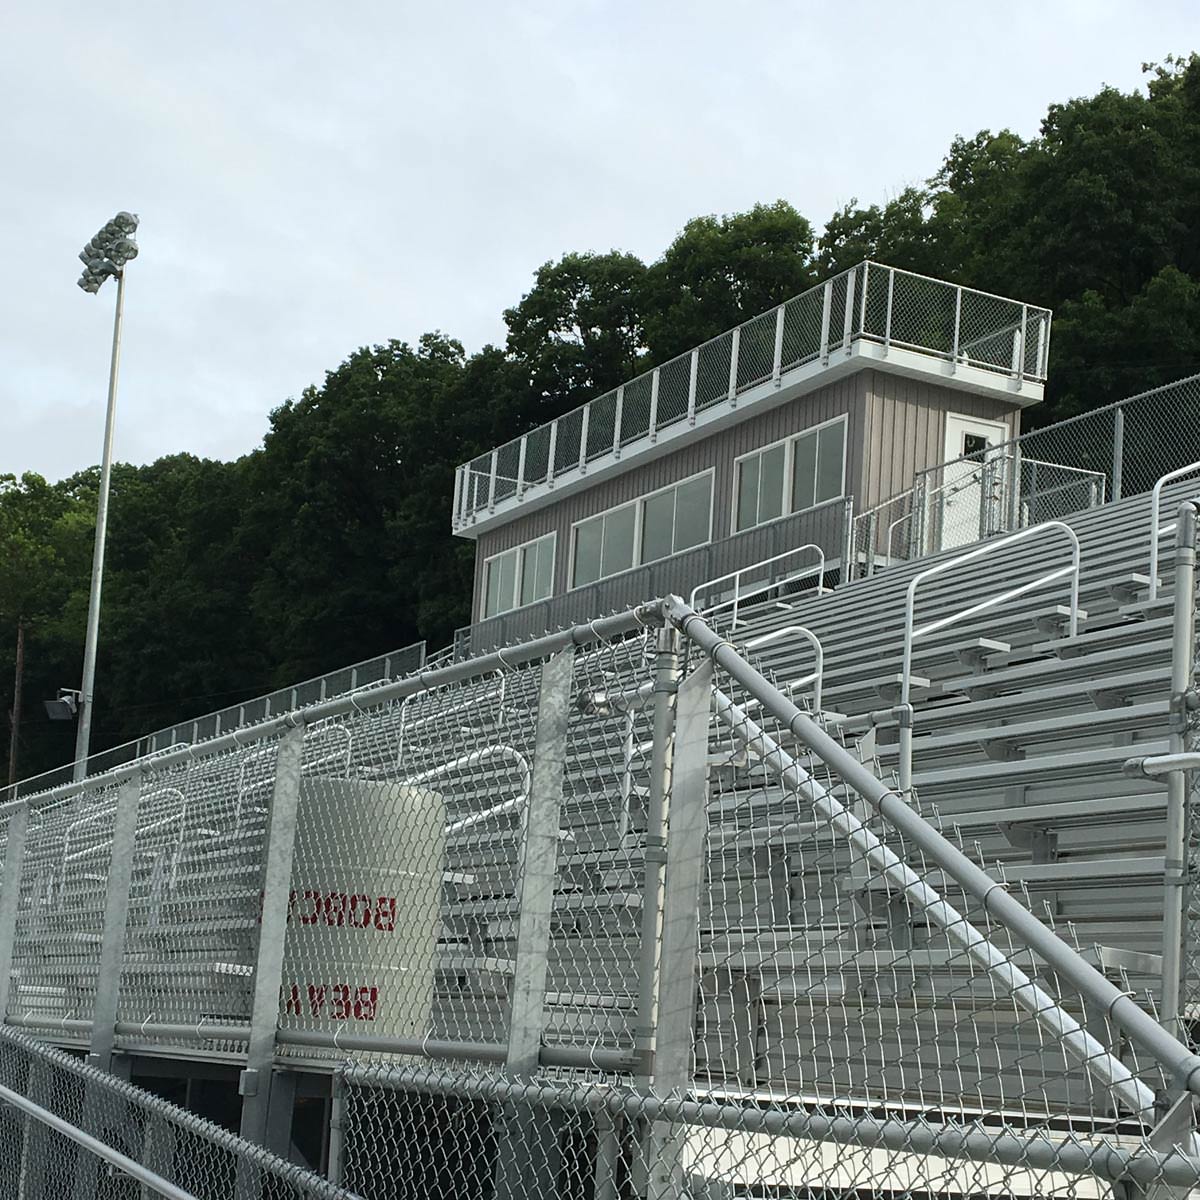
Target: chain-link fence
70,1131
371,672
603,914
869,303
1100,456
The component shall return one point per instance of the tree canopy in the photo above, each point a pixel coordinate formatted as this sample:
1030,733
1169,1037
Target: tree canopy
331,543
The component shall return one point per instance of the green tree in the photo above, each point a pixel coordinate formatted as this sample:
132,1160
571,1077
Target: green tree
349,512
578,331
899,234
721,270
45,556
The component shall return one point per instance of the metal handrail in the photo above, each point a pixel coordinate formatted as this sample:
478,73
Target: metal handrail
736,578
817,677
474,758
1155,531
912,632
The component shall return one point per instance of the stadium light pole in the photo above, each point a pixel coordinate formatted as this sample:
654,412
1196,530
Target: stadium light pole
105,255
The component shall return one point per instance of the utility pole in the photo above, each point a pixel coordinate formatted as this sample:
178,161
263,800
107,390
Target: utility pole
15,742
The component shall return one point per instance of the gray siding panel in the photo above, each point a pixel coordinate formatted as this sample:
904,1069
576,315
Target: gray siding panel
718,452
906,430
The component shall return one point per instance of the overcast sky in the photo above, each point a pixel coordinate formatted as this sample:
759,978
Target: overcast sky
312,177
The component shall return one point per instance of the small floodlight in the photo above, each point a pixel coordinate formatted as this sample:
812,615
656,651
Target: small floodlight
65,707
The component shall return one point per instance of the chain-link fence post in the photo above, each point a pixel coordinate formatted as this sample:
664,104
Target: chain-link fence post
666,683
158,1151
654,856
10,895
527,1150
1183,653
1118,450
108,976
679,967
112,942
255,1081
35,1152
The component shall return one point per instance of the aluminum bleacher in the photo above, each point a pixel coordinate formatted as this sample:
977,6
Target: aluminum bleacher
614,866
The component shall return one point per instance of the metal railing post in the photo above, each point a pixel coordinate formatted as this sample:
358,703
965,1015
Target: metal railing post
1118,462
679,962
848,547
456,508
1042,346
666,683
826,305
521,450
1014,488
848,314
618,417
527,1146
777,353
10,895
862,303
887,320
335,1165
653,423
693,375
492,480
552,454
254,1084
735,344
112,940
584,422
1183,665
957,328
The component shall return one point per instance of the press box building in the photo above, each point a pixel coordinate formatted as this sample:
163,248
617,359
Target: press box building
762,452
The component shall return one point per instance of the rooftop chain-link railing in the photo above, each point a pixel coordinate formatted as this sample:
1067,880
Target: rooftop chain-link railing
603,914
71,1132
868,303
1107,454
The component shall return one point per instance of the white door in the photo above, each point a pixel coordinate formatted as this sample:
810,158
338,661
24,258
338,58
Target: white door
965,512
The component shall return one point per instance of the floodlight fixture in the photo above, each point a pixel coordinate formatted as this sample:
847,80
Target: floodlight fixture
65,707
108,252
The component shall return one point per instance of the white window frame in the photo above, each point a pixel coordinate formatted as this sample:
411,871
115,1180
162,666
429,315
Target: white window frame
789,473
520,551
639,507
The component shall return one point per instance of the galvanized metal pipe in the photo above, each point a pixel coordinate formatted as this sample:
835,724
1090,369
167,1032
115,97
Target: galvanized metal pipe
601,630
1183,665
599,1058
1105,1160
1175,1058
666,682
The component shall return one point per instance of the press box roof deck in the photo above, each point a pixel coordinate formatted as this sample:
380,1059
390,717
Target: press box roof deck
763,441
